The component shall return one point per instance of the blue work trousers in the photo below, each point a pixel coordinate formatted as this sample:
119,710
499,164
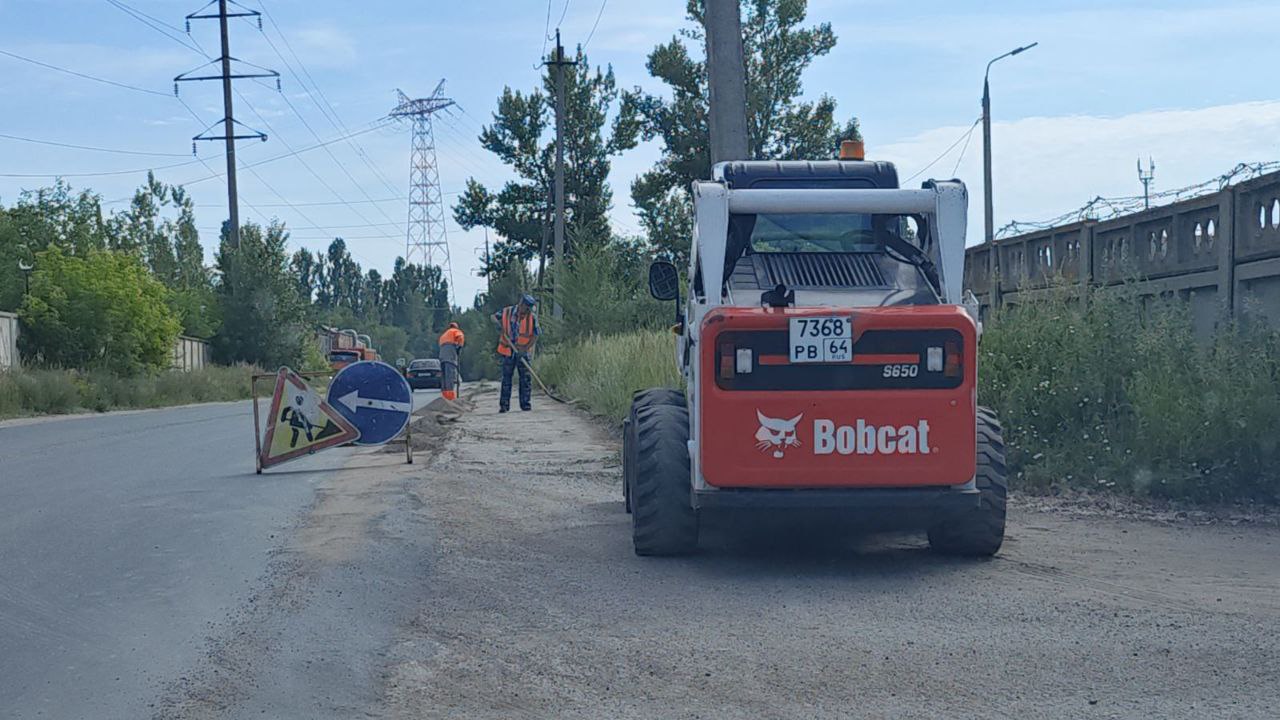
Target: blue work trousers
511,364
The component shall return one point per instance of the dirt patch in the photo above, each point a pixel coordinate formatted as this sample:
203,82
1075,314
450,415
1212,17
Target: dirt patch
537,607
1085,504
432,423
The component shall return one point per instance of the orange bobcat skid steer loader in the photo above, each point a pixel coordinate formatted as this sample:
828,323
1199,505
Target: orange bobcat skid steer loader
828,357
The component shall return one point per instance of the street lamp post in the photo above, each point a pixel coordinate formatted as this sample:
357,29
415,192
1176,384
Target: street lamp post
988,216
26,269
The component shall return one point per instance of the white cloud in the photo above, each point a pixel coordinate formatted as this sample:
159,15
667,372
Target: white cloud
1045,166
324,46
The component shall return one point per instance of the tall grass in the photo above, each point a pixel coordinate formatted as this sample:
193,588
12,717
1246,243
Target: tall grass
1115,392
1108,392
45,392
601,371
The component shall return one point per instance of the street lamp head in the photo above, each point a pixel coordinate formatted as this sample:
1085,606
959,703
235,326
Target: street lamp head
1011,53
25,266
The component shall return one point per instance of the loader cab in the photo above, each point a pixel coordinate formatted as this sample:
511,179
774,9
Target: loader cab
827,259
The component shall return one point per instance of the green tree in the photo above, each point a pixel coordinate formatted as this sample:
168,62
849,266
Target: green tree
53,216
605,292
264,317
98,310
306,269
340,282
522,136
776,50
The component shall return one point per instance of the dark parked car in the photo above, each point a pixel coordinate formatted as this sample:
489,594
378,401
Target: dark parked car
424,373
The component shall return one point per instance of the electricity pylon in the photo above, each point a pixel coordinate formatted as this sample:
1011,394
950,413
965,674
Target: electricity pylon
425,236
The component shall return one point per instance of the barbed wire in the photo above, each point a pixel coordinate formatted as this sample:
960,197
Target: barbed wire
1107,208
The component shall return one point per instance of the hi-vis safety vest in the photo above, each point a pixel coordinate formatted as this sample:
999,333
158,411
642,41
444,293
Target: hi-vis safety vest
452,336
524,334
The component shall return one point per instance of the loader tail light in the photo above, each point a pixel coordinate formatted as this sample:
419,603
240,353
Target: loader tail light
953,366
726,361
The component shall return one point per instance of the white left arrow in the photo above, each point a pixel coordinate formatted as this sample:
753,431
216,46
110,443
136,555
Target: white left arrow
353,400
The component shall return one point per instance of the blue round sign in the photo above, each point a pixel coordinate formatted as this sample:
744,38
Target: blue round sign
375,397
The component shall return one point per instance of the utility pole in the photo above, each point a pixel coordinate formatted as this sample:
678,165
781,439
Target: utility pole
228,121
488,266
558,65
988,217
1146,179
726,81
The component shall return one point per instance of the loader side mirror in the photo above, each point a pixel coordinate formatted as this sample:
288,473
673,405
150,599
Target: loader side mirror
664,281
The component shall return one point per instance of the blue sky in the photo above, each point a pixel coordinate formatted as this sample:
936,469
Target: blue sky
1190,83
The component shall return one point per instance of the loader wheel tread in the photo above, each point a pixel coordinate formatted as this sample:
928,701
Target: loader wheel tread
640,400
979,532
663,520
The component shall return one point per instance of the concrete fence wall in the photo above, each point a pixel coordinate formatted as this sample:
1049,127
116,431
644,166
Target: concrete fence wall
8,341
190,354
1220,252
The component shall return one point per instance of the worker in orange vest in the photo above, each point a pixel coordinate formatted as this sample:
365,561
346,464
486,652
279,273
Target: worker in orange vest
451,342
517,332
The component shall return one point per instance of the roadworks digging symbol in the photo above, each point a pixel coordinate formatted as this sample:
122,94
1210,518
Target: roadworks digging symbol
301,422
776,435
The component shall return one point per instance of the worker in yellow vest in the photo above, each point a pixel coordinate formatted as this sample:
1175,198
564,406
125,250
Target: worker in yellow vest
451,342
517,333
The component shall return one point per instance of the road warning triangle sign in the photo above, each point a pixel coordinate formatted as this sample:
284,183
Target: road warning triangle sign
301,422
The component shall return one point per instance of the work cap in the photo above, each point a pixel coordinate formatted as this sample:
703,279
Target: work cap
528,300
453,325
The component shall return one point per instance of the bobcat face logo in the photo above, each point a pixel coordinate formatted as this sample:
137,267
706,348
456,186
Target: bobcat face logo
776,435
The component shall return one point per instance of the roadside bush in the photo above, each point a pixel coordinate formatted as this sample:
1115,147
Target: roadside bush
47,392
602,371
605,291
100,310
1115,392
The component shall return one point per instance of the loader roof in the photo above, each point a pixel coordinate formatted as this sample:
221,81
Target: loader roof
804,173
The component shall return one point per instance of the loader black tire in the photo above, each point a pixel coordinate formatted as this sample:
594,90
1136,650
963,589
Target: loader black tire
979,532
663,519
640,400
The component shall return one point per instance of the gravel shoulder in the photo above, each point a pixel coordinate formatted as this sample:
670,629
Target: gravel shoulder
535,606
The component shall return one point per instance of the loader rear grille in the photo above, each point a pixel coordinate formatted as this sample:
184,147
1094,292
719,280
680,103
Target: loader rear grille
818,270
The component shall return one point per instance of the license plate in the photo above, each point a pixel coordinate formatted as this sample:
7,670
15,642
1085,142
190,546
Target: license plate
821,340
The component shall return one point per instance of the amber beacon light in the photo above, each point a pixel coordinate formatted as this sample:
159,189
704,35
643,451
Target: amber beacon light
852,150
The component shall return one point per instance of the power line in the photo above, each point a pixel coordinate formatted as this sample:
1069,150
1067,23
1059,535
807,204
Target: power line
153,23
142,17
546,32
595,25
563,12
301,160
105,173
332,115
89,147
85,76
295,153
963,138
321,204
461,148
329,152
960,159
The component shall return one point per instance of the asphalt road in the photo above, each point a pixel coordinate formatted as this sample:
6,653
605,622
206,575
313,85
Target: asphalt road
145,572
126,539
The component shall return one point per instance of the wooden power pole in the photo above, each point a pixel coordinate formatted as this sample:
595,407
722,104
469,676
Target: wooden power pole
726,80
557,68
